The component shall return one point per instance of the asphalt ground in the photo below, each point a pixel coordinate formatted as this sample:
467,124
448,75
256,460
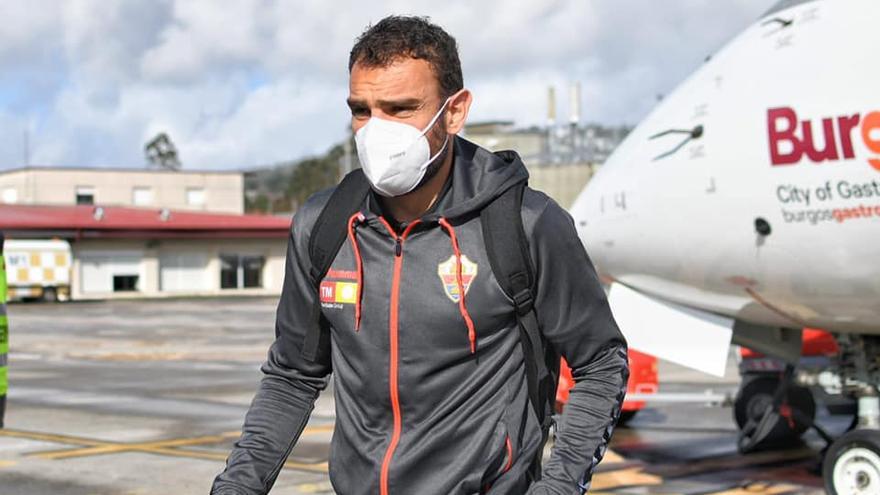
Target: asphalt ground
147,396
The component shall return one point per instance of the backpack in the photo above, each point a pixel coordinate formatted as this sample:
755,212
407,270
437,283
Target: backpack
508,252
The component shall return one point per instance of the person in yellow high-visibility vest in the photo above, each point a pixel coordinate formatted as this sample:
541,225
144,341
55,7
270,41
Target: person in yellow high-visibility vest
4,334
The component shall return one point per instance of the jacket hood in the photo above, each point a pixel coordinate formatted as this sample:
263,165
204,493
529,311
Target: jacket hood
478,177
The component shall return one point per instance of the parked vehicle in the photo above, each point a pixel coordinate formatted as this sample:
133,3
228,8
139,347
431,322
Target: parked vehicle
642,381
38,269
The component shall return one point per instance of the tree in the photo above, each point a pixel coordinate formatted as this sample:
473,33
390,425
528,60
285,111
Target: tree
161,153
314,174
285,186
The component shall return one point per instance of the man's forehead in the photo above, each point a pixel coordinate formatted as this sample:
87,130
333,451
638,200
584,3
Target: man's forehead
404,78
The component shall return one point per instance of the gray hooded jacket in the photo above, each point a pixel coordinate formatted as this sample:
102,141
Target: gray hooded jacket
430,388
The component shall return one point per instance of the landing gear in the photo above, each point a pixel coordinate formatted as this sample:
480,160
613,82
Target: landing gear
852,462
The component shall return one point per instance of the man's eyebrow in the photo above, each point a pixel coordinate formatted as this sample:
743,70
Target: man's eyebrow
405,102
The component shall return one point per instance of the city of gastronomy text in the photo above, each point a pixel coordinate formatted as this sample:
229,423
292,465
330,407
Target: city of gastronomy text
808,204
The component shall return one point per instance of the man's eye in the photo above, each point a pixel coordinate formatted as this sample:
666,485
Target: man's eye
360,112
401,110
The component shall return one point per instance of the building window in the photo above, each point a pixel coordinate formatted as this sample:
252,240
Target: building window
195,196
85,195
237,272
228,271
10,195
252,268
125,283
141,196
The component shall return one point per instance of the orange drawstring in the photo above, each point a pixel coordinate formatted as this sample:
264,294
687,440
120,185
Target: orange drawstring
357,217
462,307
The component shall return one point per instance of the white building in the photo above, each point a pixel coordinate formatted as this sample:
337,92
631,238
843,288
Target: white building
217,191
137,252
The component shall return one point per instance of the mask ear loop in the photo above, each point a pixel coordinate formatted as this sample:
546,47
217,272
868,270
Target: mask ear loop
440,151
431,124
436,116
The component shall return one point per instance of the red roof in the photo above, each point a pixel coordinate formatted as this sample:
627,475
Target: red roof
117,221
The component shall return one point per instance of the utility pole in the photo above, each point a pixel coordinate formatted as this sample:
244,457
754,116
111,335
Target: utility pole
549,145
574,119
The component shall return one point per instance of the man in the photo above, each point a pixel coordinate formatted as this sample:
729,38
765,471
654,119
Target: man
430,388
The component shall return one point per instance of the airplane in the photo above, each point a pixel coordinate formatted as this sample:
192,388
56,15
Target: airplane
746,207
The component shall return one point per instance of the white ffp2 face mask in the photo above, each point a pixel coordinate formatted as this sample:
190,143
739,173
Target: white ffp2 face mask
394,155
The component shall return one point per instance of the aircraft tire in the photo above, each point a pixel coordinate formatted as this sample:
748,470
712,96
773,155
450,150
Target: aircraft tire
852,463
757,393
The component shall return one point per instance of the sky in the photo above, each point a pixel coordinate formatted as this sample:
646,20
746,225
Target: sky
243,83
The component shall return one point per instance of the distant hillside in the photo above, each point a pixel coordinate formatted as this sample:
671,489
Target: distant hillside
283,187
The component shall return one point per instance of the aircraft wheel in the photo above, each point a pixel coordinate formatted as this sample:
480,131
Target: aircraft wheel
852,463
756,395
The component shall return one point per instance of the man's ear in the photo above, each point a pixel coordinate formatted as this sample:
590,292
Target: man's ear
457,111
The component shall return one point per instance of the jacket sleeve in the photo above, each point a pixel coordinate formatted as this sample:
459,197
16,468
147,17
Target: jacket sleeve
289,386
574,316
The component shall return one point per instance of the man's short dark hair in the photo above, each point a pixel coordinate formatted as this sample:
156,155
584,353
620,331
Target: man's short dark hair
396,37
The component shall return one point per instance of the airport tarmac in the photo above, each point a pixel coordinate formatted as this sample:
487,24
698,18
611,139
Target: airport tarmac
146,397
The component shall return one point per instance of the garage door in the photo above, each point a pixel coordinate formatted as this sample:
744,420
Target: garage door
110,271
183,272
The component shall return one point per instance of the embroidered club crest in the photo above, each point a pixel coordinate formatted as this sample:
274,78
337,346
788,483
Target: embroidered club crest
446,271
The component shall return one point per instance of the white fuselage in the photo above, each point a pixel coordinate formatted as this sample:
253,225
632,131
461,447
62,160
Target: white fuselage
791,135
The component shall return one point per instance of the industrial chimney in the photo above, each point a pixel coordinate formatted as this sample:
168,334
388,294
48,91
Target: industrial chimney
575,103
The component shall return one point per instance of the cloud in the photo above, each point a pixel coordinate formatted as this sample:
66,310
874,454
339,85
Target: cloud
248,82
27,33
204,38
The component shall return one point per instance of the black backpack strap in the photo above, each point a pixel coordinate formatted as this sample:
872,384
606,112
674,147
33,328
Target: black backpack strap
508,251
508,248
327,236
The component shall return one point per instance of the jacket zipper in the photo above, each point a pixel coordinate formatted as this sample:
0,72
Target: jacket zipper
508,448
392,368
